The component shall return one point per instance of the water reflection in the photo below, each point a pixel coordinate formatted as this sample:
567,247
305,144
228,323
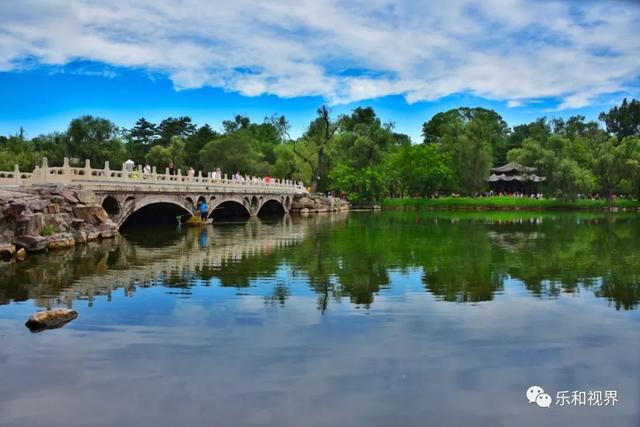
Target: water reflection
380,317
460,257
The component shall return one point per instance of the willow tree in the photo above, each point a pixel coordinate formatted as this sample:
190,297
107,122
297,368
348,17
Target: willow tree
313,147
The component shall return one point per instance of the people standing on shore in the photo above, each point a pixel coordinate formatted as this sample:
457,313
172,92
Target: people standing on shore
191,172
146,168
171,168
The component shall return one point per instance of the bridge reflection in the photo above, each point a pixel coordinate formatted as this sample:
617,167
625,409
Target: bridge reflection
458,258
175,257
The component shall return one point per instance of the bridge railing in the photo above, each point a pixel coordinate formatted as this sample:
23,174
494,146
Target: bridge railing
66,174
14,177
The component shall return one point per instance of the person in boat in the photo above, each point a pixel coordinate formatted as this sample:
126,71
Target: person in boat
203,208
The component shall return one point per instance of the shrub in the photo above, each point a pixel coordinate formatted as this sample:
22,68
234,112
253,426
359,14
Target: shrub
47,230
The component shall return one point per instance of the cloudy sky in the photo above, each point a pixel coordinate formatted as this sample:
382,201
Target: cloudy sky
408,59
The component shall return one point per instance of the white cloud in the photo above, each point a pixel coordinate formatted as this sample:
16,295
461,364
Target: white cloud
512,50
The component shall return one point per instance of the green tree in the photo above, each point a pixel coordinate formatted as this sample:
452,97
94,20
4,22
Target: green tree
17,150
96,139
624,120
195,143
491,128
53,146
428,171
290,166
234,152
611,163
238,123
470,161
359,153
360,186
160,156
538,130
140,139
174,126
473,139
313,148
555,159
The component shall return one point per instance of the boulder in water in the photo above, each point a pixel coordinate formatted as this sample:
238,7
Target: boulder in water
50,319
7,251
21,254
31,243
61,241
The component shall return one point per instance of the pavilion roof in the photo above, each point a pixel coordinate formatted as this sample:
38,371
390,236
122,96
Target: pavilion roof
521,178
513,167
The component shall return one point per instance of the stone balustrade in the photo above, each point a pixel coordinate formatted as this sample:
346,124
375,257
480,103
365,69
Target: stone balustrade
66,175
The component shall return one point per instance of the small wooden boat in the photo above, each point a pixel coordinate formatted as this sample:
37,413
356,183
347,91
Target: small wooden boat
195,221
192,221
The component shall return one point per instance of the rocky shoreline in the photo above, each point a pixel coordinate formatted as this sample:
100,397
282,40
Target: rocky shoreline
48,218
308,204
51,217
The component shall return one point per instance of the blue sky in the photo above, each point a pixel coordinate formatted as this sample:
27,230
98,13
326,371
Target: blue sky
210,60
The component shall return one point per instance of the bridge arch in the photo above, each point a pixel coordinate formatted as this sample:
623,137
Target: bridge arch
272,207
153,212
227,209
111,206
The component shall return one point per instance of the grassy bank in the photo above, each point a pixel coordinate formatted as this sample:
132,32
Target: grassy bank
504,203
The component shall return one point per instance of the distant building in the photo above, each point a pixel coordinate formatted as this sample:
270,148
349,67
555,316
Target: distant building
514,178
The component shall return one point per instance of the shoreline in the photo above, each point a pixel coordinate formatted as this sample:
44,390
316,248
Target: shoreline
498,203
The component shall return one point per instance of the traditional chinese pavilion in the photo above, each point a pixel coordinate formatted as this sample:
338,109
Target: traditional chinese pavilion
514,178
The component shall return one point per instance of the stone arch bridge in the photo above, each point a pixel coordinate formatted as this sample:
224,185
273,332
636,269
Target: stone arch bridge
121,203
122,193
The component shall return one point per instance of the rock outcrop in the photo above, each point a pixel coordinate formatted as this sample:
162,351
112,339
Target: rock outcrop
50,319
7,251
308,203
50,217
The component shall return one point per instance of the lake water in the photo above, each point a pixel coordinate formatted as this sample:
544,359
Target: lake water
358,319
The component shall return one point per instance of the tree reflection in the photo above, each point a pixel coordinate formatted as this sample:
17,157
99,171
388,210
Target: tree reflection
463,258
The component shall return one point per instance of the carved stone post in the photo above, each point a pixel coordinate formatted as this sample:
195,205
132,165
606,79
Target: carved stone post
87,169
45,170
16,174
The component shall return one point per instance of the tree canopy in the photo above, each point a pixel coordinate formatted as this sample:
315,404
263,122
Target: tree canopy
361,156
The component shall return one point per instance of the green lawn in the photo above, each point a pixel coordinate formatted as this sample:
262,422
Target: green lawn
504,203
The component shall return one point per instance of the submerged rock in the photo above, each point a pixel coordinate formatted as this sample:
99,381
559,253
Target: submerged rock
50,319
21,254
